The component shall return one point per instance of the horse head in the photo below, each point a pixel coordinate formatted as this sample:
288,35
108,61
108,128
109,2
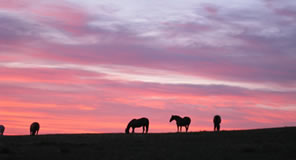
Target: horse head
127,130
129,125
172,118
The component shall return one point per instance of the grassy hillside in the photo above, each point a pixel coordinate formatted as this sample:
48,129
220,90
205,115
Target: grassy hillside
276,143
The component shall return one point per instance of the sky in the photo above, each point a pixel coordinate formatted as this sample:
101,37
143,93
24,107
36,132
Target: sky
91,66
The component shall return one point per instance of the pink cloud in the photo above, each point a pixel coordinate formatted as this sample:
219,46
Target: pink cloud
211,9
45,75
69,19
14,4
284,10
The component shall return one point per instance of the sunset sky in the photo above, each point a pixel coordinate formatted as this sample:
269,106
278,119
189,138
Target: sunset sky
91,66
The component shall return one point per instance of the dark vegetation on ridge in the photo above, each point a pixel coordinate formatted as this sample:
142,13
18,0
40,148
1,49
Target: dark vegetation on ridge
275,143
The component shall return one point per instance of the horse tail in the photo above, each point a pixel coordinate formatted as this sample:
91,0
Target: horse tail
147,126
187,120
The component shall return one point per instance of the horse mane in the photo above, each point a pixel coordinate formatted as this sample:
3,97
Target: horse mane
175,117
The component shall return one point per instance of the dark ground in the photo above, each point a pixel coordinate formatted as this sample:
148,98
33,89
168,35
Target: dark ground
276,143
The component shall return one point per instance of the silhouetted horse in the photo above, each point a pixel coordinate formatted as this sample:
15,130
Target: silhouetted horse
135,123
34,129
2,128
217,121
181,122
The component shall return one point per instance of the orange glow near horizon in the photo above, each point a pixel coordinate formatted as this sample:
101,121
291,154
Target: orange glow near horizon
89,111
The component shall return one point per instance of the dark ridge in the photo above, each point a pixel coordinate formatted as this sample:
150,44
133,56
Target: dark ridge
272,143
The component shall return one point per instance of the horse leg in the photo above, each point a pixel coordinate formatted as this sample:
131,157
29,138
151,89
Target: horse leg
143,130
180,128
133,130
218,127
215,127
186,128
147,128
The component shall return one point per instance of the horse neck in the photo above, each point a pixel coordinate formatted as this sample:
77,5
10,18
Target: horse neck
128,126
178,118
131,124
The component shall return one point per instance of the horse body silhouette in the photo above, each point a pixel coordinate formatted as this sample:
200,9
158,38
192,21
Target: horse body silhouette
34,129
135,123
181,122
2,128
217,121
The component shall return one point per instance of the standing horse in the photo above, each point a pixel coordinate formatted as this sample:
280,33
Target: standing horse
217,121
34,128
135,123
2,128
181,122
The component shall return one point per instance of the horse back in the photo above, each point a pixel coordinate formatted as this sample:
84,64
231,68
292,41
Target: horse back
144,120
141,122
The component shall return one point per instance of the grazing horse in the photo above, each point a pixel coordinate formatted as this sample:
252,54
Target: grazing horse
181,122
2,128
135,123
217,121
34,129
